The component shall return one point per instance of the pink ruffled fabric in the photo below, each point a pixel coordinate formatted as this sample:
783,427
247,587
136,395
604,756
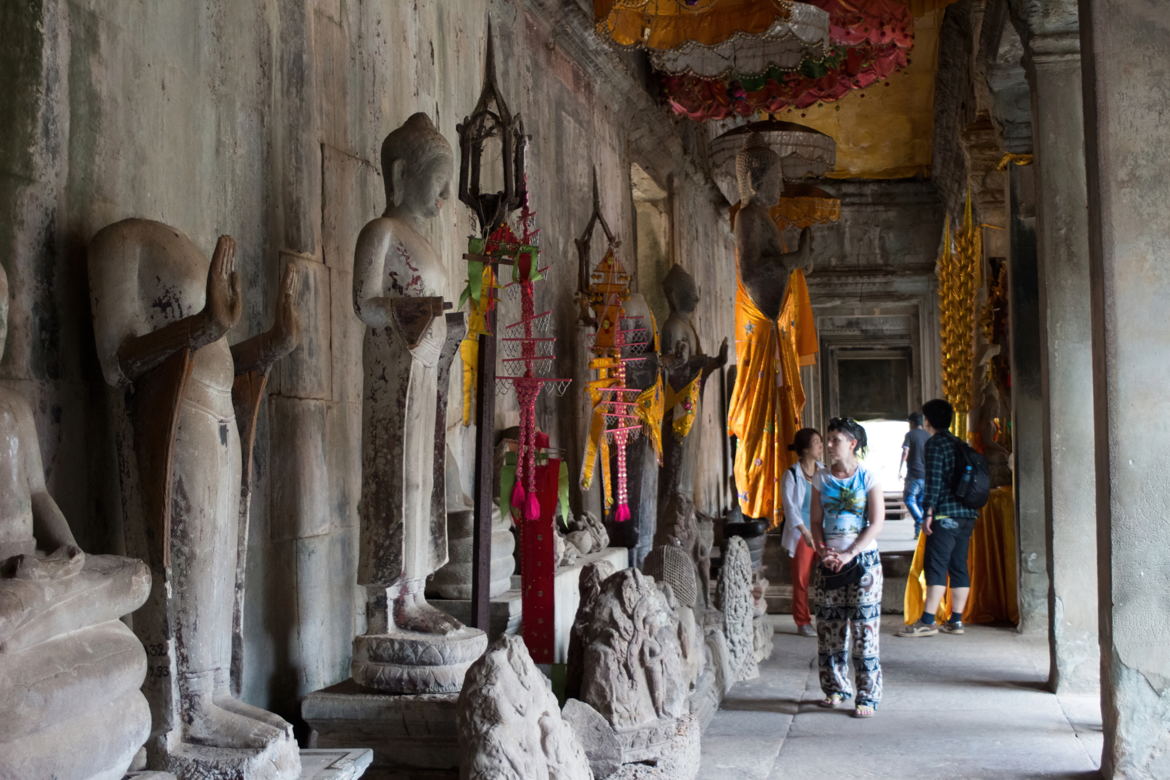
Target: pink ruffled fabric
874,36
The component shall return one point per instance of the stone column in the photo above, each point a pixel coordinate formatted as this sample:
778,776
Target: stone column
1127,92
1054,68
1027,404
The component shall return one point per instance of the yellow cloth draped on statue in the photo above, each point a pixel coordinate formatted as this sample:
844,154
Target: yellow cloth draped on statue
684,405
768,398
991,561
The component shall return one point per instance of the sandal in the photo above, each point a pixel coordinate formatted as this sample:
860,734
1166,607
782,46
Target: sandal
864,711
832,700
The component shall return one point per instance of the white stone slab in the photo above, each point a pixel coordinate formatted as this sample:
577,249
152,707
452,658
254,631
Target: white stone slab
334,764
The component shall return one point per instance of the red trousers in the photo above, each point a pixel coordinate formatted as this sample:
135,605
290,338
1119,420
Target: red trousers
802,564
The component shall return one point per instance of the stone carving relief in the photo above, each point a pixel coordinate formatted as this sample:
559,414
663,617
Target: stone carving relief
674,571
398,283
589,587
587,534
510,726
632,699
185,404
632,668
66,660
733,597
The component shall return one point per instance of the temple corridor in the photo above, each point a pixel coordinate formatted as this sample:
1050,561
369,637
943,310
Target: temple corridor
968,706
472,389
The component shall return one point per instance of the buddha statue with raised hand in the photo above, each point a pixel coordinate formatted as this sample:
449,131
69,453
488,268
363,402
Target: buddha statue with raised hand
398,285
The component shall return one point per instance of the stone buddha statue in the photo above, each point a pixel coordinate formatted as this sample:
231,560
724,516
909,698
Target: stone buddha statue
161,318
775,334
687,369
66,661
765,264
398,285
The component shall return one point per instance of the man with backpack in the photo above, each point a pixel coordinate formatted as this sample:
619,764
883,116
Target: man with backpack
956,486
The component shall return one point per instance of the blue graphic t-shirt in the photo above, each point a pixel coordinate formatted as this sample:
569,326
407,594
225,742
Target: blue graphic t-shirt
844,503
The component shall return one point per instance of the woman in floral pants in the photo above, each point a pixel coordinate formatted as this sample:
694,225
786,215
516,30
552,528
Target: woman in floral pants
847,515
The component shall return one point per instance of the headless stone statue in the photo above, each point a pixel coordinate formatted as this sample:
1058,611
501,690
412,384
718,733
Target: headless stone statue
66,661
687,369
161,317
398,282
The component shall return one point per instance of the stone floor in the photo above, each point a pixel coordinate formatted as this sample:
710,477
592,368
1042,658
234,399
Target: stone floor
965,706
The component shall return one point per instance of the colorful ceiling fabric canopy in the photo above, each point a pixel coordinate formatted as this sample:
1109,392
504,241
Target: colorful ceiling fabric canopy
669,24
803,152
803,35
870,40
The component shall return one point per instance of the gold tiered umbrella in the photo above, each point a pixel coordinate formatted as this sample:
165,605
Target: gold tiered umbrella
668,24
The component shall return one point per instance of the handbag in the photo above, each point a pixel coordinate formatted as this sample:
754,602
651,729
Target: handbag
850,574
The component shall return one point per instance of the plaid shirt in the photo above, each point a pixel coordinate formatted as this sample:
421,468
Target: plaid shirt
942,459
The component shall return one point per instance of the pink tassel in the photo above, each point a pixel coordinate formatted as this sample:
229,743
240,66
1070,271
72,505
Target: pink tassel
518,496
622,514
532,508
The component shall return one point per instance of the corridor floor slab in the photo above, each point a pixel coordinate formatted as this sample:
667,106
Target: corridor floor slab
965,706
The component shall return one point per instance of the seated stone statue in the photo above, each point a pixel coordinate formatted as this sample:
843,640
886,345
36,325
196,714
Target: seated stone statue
66,661
161,318
398,283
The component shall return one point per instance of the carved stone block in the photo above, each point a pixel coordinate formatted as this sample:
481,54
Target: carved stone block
510,726
733,597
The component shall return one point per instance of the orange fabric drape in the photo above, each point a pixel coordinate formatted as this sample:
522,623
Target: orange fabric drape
768,398
991,560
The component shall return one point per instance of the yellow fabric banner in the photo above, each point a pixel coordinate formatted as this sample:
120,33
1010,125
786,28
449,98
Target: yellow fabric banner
991,561
768,398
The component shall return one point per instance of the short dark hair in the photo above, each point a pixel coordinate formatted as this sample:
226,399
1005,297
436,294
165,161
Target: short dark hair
852,429
915,419
939,414
803,440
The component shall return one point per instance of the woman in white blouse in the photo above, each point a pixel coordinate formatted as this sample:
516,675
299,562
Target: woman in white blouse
796,488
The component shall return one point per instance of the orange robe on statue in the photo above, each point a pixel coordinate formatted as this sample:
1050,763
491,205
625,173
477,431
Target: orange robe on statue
768,398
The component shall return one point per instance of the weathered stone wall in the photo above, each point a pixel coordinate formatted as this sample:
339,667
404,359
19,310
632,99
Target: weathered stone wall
872,283
263,120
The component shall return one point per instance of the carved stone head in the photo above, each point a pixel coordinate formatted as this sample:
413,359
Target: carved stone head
417,163
758,170
3,310
680,289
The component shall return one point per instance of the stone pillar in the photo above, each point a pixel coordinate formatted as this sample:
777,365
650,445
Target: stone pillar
1127,93
1027,404
1054,66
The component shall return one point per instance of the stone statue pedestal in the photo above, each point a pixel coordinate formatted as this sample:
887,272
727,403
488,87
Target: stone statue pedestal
666,749
278,759
410,662
504,611
341,764
411,736
70,672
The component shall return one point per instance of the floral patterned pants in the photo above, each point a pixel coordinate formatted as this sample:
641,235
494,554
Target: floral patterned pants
850,612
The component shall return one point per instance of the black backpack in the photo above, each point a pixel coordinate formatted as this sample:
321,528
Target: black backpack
972,484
